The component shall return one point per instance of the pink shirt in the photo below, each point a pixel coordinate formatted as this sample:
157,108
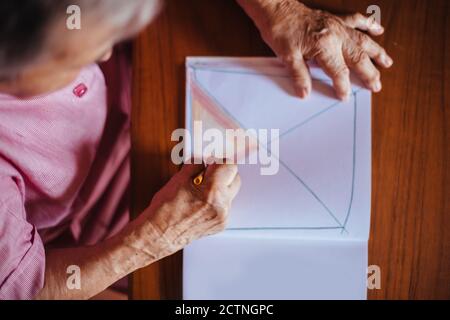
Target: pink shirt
64,172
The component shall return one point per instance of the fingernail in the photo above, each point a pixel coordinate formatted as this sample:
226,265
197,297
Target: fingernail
387,60
344,96
377,86
303,92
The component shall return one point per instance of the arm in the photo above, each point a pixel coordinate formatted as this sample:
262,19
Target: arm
100,265
297,33
258,10
178,214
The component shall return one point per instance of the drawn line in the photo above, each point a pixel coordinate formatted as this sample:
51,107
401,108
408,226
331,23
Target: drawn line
308,120
250,73
354,161
311,191
281,228
304,122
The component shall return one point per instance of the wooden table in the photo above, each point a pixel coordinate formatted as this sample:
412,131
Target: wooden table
410,231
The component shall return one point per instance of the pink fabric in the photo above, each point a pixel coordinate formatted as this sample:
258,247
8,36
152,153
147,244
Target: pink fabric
64,172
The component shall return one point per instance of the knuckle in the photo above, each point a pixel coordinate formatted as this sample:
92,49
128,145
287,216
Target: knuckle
325,40
342,71
361,39
356,55
336,67
377,73
289,58
381,53
372,76
333,24
375,76
320,49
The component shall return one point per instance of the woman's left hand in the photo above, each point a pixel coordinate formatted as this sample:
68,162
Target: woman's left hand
297,33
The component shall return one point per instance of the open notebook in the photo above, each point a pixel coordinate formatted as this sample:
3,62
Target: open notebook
300,233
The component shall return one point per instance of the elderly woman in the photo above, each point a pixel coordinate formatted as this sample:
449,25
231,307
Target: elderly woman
64,138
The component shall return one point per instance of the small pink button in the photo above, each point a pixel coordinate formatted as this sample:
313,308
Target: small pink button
80,90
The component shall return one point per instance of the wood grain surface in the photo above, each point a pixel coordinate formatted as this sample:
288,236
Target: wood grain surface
410,229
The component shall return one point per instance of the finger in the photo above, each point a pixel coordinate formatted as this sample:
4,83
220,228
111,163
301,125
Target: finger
300,75
222,174
365,70
235,186
373,49
362,22
333,64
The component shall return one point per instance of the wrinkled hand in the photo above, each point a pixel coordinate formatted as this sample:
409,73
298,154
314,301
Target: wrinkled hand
182,212
297,33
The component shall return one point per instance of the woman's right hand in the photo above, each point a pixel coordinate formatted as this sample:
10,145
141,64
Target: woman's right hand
178,214
182,212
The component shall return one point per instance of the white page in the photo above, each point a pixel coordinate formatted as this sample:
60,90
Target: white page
228,267
301,233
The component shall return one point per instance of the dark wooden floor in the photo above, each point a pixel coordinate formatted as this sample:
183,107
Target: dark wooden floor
410,233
